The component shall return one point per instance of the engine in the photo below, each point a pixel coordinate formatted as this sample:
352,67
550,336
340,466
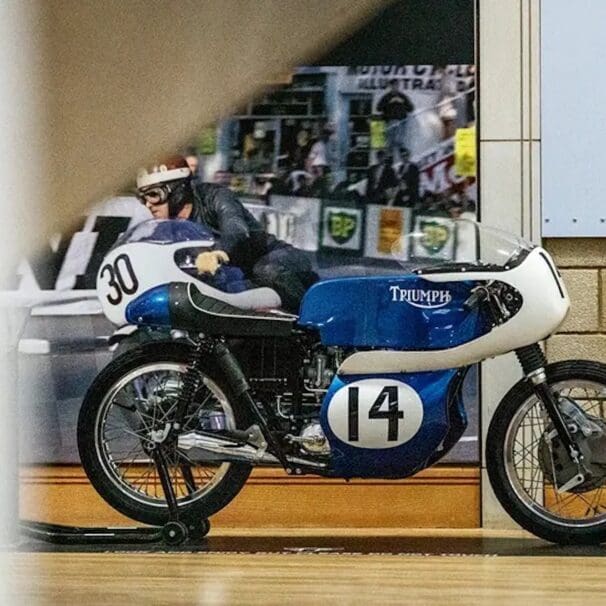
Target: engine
290,378
321,367
311,439
284,369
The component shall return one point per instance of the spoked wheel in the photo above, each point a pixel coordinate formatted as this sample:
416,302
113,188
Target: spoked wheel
527,464
125,411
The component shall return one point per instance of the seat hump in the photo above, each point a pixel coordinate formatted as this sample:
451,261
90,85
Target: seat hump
191,309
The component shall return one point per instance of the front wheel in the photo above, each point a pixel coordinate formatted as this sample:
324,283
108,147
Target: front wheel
526,463
135,395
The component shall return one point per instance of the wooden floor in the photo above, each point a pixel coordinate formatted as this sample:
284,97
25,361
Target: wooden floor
280,578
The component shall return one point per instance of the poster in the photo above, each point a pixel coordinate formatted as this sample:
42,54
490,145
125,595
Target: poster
305,215
465,152
386,229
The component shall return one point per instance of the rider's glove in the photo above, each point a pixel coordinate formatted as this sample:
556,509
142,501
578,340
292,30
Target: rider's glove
209,262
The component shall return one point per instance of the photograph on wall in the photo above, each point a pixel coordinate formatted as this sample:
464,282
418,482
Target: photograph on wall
342,160
359,136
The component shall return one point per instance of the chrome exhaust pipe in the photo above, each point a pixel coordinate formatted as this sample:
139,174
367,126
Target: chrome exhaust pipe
202,447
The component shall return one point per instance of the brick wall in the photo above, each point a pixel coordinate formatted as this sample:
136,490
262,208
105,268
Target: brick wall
582,263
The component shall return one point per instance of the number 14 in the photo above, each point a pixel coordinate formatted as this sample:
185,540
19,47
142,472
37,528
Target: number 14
393,414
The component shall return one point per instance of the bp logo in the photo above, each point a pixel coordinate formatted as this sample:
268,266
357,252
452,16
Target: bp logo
435,236
342,228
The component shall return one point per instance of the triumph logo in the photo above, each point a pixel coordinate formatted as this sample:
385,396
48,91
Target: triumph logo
426,299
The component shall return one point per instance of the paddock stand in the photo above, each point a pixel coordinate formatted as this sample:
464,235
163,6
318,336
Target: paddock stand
176,531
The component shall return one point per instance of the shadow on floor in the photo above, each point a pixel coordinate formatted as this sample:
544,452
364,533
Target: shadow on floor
365,545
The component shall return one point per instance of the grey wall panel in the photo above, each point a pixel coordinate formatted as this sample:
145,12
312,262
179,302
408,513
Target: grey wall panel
573,118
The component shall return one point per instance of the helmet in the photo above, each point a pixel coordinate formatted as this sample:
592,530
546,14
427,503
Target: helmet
169,181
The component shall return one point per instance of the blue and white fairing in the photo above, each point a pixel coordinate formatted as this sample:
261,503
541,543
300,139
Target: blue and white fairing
405,312
134,279
391,426
388,425
396,313
395,401
422,320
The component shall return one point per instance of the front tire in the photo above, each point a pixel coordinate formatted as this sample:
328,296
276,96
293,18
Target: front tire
518,463
135,394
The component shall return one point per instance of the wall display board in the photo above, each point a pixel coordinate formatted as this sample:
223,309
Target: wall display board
305,213
438,239
343,160
385,229
573,113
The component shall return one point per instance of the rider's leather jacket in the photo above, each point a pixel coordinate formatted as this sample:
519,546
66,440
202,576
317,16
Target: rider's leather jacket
238,233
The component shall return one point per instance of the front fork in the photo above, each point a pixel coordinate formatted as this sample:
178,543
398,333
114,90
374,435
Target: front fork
533,364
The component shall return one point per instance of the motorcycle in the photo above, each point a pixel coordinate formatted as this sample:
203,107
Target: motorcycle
365,382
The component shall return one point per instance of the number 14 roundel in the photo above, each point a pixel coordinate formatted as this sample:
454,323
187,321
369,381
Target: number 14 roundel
375,413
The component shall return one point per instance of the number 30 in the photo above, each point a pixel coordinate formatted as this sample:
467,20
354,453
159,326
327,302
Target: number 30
117,272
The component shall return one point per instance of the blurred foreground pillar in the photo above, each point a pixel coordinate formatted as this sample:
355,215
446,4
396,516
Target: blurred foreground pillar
23,146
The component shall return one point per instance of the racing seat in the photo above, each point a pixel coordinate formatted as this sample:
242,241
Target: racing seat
258,297
191,309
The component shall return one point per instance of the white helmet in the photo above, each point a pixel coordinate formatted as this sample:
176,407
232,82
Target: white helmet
167,182
173,169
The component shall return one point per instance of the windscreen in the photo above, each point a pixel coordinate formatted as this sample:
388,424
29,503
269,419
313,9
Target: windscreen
165,231
443,244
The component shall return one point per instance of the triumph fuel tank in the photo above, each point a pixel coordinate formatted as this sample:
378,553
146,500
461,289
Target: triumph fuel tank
396,312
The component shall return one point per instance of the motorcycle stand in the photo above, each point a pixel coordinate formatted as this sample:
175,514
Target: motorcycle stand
169,534
176,531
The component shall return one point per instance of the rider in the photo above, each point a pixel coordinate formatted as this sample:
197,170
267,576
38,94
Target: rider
169,190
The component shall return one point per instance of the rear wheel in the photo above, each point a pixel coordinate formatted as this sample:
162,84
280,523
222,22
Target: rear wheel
135,395
526,462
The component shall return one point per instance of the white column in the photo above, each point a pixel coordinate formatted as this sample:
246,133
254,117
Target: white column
22,161
509,165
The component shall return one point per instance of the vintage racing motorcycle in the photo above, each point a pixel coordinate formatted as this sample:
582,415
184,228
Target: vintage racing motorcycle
366,382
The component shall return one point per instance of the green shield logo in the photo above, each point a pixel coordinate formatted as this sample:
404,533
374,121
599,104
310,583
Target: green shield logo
435,236
342,226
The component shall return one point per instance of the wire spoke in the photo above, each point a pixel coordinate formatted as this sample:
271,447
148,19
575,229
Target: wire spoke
123,430
531,462
146,402
123,475
145,476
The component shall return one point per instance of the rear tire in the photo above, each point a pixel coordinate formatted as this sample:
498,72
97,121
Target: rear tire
111,425
513,458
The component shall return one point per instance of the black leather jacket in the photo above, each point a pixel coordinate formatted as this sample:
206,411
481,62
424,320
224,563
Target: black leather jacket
238,233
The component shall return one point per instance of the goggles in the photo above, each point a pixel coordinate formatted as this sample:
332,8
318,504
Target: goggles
159,194
154,196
